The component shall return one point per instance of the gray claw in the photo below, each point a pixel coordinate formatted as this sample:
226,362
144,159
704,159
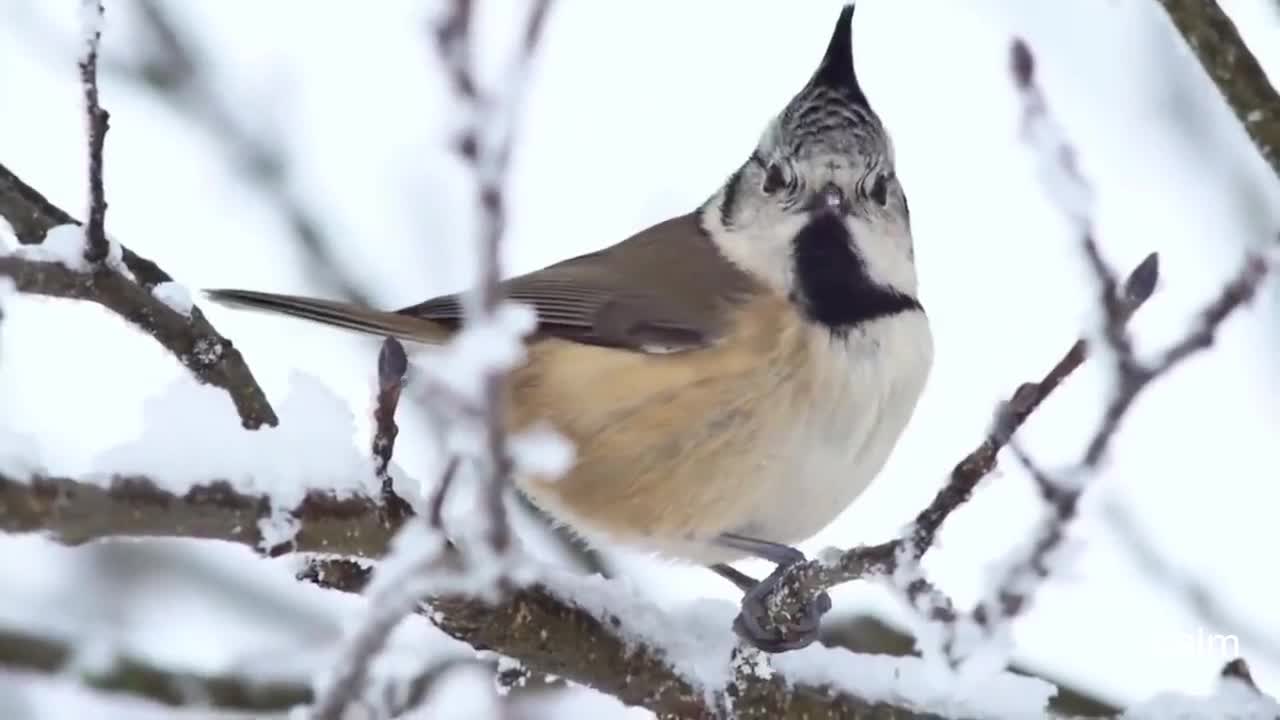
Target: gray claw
753,626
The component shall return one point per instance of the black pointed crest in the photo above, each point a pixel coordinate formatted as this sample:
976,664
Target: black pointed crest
836,69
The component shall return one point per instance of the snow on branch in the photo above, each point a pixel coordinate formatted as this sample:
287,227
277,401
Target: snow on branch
31,652
127,284
75,511
60,258
97,124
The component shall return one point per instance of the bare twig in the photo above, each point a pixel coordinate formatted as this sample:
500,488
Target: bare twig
389,602
1062,492
402,582
392,366
210,357
97,124
441,493
485,143
805,580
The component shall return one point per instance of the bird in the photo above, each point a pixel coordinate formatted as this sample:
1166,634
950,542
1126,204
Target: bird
731,378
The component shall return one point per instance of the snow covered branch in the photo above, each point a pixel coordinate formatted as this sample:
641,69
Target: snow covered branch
37,653
1233,68
127,284
77,511
97,124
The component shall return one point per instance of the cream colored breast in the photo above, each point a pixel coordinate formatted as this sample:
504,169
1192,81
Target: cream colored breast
836,429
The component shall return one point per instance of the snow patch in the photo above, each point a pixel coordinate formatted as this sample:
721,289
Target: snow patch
191,434
698,642
62,244
176,296
541,451
65,244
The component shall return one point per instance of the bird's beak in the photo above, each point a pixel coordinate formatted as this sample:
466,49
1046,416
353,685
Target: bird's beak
830,199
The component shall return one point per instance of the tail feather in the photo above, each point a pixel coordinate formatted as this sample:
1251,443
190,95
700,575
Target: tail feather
336,314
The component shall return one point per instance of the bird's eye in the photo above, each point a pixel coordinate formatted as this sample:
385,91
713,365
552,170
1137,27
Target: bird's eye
879,191
774,179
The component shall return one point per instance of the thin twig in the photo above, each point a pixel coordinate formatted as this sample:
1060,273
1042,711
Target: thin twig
441,493
388,609
1062,491
485,143
393,364
401,581
98,121
805,580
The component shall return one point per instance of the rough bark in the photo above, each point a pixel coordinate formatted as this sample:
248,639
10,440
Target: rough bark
1222,52
75,512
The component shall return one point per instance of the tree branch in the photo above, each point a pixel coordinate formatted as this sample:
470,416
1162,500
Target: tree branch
98,121
805,580
74,512
586,650
27,651
211,358
1233,68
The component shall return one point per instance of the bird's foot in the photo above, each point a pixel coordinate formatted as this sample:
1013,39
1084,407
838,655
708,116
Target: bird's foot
756,625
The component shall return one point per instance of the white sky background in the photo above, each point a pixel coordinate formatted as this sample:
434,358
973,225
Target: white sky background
637,112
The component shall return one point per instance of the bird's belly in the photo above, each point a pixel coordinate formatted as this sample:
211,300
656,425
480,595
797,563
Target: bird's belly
804,488
775,454
833,443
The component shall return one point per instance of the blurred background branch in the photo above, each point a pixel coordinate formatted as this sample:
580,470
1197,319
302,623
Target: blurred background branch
171,63
1222,52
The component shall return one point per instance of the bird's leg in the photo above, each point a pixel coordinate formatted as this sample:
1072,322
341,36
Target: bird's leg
741,580
752,622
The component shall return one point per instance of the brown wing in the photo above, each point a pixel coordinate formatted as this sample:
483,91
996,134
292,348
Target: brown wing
664,289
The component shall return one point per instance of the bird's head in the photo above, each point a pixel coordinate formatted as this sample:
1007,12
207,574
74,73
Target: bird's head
817,210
